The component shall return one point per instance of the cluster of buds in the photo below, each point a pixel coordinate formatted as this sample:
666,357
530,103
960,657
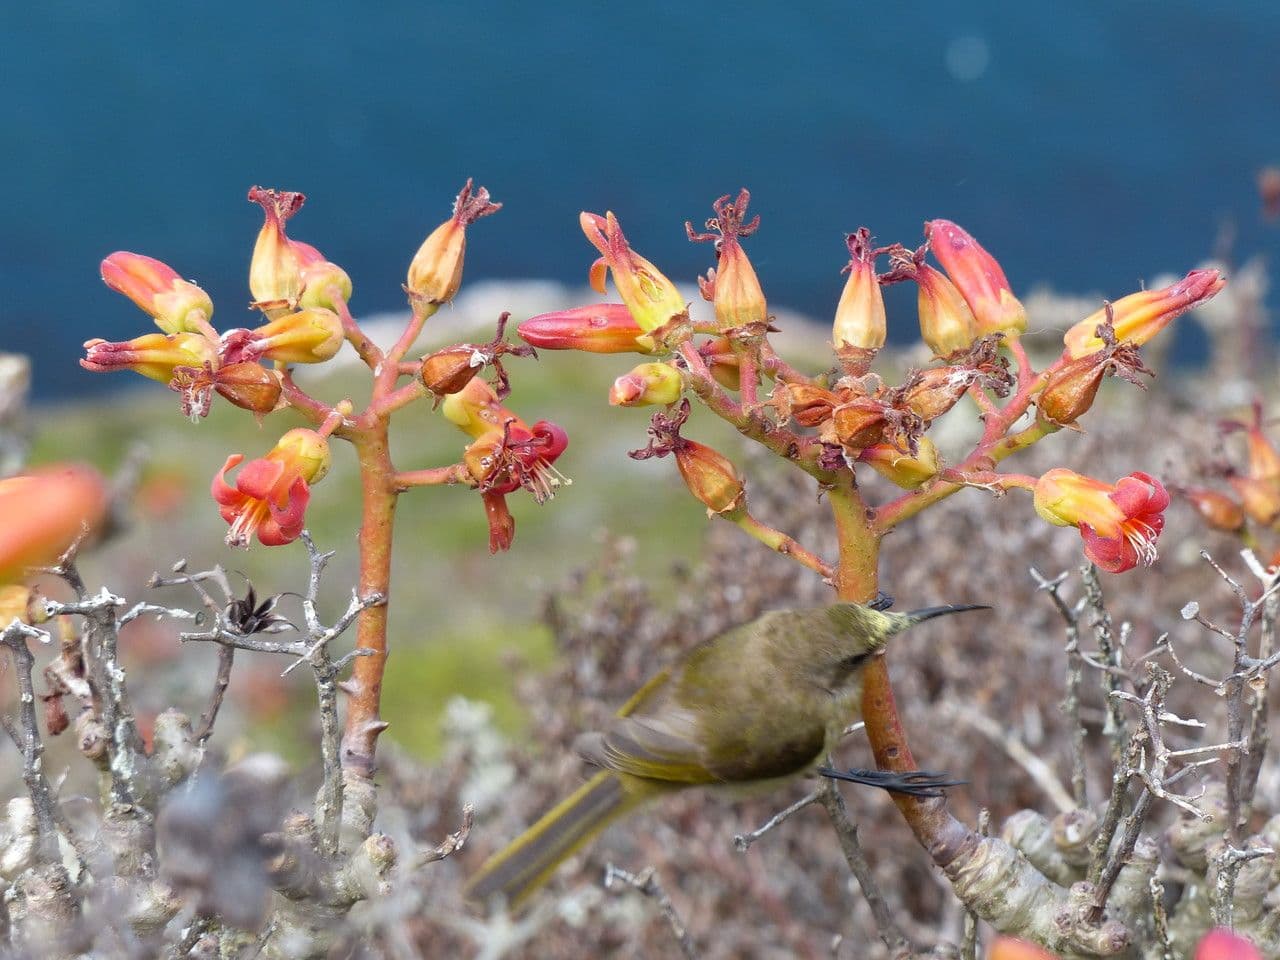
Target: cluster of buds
1251,508
298,291
968,316
303,299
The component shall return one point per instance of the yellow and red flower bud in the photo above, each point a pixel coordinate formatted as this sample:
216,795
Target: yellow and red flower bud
270,495
596,328
1140,316
979,278
860,316
739,299
248,385
1216,509
652,299
435,273
275,271
709,475
946,322
1223,944
733,288
154,355
649,384
1119,522
306,336
903,469
176,305
44,511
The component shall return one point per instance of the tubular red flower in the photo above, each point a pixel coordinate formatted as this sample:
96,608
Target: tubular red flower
270,495
595,328
1119,522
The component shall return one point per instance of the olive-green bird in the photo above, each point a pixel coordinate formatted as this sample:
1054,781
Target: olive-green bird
762,702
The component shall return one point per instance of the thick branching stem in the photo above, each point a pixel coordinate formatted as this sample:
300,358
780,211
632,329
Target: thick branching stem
378,499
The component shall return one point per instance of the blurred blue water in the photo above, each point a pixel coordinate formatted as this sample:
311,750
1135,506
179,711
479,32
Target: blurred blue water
1089,145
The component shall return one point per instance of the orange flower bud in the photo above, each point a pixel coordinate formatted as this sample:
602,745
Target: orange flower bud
709,476
1140,316
596,328
649,384
249,386
1119,522
1264,459
1007,948
735,289
979,278
652,299
176,305
435,273
903,469
946,322
860,315
307,336
1261,498
1217,510
275,271
154,355
43,512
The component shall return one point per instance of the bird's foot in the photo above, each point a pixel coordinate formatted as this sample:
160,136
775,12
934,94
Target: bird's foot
881,602
914,783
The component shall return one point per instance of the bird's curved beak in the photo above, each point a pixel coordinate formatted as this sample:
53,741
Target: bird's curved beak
928,613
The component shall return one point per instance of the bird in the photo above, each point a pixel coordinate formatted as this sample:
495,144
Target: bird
751,707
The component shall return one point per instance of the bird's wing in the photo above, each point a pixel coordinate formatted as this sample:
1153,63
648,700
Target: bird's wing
653,748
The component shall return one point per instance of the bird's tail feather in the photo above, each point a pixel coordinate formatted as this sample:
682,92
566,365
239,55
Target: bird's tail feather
516,872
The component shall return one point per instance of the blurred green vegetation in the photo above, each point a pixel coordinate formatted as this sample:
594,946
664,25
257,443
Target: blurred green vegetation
457,613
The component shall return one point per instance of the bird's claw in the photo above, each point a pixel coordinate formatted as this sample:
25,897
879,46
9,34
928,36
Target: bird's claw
913,783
